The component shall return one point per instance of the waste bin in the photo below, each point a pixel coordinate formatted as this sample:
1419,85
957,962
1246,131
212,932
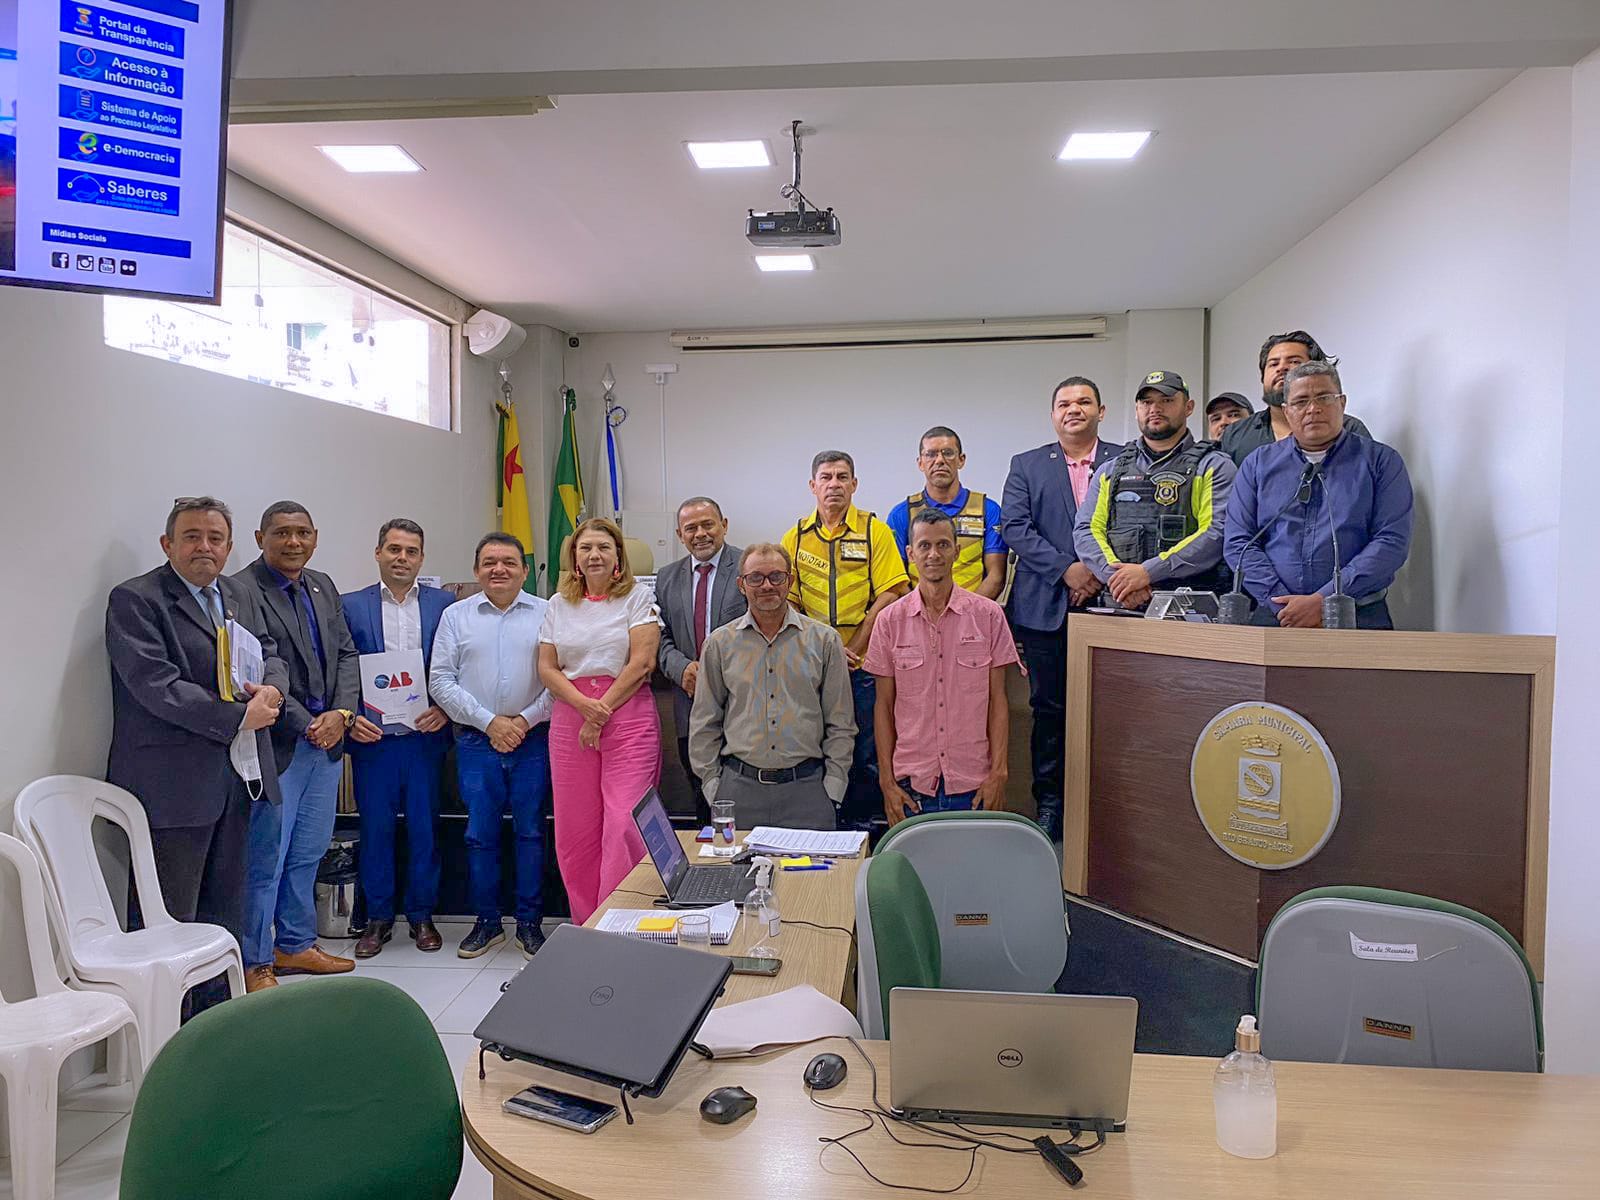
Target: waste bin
336,887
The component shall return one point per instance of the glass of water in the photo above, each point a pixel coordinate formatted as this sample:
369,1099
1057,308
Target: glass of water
694,932
722,836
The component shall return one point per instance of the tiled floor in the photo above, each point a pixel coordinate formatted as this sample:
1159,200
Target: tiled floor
454,992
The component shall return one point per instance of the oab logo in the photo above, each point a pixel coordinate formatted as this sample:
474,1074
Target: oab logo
1265,785
601,996
400,679
1009,1058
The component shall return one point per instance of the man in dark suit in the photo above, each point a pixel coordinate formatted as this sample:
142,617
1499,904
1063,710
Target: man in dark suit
173,734
302,611
397,767
695,594
1040,504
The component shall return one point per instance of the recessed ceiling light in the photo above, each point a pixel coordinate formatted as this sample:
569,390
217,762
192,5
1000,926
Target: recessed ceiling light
713,156
1104,145
364,160
786,262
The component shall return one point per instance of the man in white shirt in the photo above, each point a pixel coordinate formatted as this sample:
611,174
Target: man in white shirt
397,769
485,677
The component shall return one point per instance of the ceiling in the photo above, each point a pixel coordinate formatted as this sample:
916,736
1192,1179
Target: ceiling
592,217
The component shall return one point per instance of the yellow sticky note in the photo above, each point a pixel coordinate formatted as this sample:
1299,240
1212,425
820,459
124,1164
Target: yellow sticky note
803,861
657,924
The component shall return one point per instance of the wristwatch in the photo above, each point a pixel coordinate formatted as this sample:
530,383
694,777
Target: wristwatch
349,717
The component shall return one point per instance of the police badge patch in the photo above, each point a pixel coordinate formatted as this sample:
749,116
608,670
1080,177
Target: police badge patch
1166,488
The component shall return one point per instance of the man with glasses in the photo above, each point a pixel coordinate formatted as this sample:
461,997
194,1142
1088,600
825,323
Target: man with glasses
1154,513
1291,496
773,725
980,564
1280,354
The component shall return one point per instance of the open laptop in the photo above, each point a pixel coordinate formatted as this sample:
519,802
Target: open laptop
686,886
611,1008
1011,1058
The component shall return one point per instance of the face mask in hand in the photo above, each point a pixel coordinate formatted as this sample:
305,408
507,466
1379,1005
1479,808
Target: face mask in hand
246,758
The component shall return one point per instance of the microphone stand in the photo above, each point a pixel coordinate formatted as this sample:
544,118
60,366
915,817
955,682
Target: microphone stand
1338,609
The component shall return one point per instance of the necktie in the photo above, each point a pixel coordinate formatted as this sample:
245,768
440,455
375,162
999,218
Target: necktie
213,604
315,682
702,598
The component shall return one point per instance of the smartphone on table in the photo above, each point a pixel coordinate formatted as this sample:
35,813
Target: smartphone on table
766,967
560,1108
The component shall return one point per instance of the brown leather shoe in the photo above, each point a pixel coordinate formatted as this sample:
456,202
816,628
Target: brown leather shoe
426,936
313,960
258,979
373,938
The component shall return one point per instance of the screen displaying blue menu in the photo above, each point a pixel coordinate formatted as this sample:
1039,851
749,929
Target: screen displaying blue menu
113,141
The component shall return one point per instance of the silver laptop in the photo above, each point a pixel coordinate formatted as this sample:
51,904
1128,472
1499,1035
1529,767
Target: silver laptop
1011,1058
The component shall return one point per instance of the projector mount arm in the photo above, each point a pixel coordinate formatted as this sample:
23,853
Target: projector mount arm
791,191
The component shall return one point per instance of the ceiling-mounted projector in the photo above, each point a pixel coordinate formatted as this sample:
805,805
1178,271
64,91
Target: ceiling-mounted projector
490,333
805,225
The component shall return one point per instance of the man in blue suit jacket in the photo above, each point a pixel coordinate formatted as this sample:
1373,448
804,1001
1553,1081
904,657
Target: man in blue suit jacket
397,770
1039,506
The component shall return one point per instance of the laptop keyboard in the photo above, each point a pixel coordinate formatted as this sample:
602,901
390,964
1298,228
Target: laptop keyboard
709,885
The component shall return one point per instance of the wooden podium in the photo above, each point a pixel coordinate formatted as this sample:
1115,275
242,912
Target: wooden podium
1442,745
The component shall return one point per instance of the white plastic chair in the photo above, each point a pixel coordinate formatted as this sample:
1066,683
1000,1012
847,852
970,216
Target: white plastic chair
151,968
37,1036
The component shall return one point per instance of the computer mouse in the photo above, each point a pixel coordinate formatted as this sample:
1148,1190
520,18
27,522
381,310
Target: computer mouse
825,1071
725,1105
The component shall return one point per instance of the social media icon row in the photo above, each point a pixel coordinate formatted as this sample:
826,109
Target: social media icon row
103,264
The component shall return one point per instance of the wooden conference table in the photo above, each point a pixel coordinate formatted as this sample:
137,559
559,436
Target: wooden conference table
1343,1131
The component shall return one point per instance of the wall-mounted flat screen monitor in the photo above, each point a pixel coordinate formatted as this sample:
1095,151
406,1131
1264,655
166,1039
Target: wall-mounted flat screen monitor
113,143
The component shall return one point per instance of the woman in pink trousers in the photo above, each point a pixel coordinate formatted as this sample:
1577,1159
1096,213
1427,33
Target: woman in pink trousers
597,649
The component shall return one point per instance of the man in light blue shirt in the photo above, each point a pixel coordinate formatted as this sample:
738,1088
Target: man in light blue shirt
485,676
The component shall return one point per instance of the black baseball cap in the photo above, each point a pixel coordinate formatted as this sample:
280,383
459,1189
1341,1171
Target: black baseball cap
1230,398
1168,383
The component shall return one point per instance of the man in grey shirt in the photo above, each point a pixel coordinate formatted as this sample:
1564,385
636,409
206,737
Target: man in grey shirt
773,724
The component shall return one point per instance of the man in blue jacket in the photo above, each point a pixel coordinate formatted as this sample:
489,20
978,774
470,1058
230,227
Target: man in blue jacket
396,768
1037,512
1290,496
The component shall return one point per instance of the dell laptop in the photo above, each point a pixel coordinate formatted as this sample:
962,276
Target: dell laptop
606,1007
686,886
1011,1058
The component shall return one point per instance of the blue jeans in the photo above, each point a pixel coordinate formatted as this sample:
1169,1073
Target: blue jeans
286,847
862,799
399,775
941,800
490,783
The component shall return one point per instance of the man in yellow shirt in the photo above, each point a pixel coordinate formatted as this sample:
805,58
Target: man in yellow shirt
847,569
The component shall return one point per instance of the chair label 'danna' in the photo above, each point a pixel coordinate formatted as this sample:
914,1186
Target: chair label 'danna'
1265,785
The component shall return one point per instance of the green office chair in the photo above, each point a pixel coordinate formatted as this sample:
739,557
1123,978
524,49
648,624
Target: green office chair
249,1096
1368,975
896,935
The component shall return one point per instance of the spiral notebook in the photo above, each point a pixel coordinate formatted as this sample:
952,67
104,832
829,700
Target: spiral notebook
659,926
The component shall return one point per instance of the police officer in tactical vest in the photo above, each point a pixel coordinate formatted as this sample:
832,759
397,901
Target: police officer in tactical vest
980,550
1155,513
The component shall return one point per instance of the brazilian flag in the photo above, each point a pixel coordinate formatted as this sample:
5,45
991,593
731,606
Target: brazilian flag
566,490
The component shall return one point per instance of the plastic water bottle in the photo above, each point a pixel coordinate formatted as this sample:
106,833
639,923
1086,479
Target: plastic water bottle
761,922
1246,1097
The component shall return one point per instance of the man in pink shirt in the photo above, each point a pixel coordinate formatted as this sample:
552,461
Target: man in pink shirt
939,655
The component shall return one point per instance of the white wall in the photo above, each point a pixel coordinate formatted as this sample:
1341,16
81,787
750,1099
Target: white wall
742,427
98,441
1444,291
1573,937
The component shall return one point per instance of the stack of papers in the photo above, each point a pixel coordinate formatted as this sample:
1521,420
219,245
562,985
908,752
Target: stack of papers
656,926
819,843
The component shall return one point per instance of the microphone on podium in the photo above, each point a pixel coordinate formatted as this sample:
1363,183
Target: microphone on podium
1338,609
1234,608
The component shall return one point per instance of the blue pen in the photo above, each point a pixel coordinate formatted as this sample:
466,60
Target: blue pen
812,867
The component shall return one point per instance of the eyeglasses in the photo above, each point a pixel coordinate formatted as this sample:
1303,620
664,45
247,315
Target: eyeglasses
947,454
770,578
1323,403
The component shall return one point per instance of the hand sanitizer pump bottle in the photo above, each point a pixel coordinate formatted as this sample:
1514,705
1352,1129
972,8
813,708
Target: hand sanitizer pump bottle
761,922
1246,1097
